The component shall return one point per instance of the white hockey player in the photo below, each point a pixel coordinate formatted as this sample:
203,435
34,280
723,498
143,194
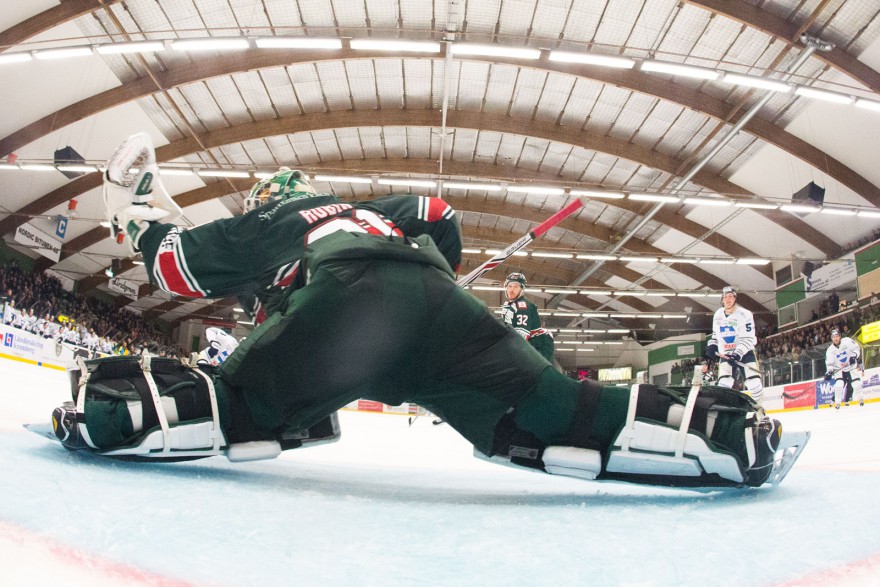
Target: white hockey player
733,345
220,346
842,363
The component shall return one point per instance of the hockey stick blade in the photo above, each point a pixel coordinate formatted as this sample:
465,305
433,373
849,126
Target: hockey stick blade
521,242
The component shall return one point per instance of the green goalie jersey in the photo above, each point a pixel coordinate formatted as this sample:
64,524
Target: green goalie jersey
214,260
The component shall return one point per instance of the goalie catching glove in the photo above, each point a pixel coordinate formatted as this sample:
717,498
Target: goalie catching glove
133,192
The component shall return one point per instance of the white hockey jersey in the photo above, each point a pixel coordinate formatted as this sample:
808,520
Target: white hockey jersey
837,357
734,333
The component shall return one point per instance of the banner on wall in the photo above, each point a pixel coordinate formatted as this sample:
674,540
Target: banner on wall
125,287
29,235
831,276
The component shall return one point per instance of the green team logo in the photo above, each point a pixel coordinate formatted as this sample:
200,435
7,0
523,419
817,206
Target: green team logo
145,186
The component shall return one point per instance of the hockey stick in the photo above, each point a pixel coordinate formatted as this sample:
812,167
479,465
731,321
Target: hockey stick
521,242
787,395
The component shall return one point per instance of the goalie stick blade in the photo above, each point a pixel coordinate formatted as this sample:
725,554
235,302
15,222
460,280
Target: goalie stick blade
792,445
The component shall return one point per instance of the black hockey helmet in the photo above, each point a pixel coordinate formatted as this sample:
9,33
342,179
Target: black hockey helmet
516,278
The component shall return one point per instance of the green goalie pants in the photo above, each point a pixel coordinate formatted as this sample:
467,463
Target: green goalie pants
384,320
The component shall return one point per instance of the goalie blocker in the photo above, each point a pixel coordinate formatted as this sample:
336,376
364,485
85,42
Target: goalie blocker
148,408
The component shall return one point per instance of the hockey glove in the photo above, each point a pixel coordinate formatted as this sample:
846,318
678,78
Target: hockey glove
133,193
828,376
712,352
853,360
734,359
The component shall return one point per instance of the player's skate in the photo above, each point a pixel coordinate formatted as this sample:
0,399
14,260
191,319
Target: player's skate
133,192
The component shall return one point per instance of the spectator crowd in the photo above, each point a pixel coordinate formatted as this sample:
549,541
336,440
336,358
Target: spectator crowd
37,303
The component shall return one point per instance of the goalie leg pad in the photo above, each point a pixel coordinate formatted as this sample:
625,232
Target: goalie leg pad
652,451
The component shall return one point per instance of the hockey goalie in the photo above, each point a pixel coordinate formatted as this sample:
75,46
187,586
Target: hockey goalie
357,300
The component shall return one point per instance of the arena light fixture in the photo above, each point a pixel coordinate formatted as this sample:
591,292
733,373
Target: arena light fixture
675,316
457,185
680,259
752,261
716,261
551,290
9,166
799,208
38,167
77,168
752,81
594,315
213,44
601,195
618,331
679,69
654,198
471,251
649,316
487,288
46,54
395,45
180,171
552,255
421,183
627,292
594,292
756,205
694,294
132,47
592,59
838,211
639,259
222,173
343,179
861,103
869,213
719,202
15,57
823,95
535,189
297,43
598,257
494,51
658,294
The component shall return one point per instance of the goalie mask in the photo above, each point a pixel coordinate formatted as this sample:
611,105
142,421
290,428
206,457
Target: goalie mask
277,188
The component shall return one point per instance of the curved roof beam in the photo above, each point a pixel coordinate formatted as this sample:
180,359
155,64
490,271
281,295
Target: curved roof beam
66,11
603,234
769,23
455,119
632,80
463,204
455,168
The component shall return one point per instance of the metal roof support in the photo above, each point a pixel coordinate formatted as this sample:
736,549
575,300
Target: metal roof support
812,45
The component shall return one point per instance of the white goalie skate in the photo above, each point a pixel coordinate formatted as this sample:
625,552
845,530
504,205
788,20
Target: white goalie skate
790,447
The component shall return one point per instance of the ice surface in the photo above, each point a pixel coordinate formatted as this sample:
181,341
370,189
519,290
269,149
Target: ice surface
397,505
